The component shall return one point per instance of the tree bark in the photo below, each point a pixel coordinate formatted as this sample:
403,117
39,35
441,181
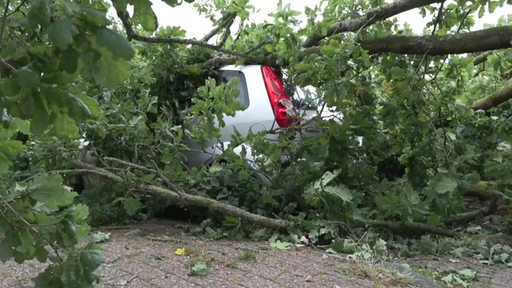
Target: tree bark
370,18
477,41
493,100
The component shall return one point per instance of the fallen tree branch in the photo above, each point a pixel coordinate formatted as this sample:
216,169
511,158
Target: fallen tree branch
494,99
476,41
412,227
189,200
371,17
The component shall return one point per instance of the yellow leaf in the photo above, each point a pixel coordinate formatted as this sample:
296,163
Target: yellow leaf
180,251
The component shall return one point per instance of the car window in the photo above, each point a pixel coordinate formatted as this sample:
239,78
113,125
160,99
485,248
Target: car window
243,96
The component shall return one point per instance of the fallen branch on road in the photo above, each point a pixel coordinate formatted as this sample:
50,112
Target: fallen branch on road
189,200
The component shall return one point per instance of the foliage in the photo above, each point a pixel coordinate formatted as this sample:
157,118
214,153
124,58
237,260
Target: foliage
410,148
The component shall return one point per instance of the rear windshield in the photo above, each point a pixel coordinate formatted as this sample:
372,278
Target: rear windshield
243,96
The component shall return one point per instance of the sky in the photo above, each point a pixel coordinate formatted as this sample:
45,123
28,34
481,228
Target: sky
196,26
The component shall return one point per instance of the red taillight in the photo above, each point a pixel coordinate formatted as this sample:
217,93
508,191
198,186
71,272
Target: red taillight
282,105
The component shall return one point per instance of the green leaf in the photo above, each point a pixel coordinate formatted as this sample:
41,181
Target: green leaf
398,73
40,117
27,78
91,256
281,245
94,17
339,191
143,15
65,126
92,105
48,189
61,32
109,72
131,205
173,3
444,184
20,125
100,237
69,60
115,43
329,176
6,250
493,5
11,148
39,13
199,269
468,274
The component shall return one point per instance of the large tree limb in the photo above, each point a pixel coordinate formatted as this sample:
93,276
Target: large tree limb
493,100
189,200
477,41
370,18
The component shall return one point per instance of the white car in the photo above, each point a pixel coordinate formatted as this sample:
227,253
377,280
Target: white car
267,107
